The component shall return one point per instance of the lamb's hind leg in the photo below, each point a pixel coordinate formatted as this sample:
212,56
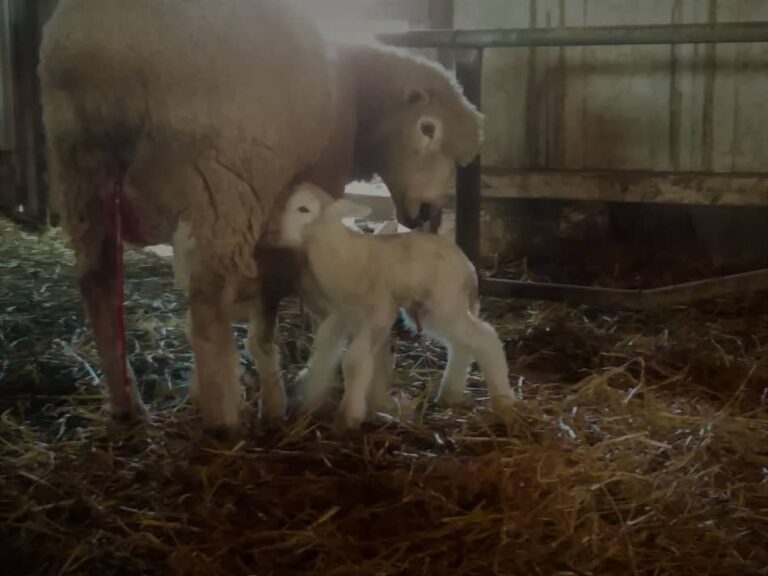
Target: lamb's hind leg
218,390
480,340
454,380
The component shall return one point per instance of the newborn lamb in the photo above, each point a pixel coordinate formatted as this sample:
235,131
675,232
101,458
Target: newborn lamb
365,280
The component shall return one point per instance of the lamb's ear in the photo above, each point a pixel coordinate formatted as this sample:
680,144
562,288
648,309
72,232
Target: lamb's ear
345,208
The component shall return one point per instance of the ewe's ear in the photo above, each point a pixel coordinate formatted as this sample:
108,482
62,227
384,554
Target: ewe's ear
344,208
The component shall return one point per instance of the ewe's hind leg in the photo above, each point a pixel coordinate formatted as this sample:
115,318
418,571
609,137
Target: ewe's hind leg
262,345
328,347
84,182
96,274
218,390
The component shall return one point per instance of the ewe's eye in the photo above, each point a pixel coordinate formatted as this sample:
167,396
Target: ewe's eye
303,209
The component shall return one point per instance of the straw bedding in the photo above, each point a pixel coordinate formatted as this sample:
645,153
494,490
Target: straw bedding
639,446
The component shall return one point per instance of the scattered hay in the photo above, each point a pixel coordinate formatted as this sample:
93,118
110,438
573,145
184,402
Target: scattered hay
640,446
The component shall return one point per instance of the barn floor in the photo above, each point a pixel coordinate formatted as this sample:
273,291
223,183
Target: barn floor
640,447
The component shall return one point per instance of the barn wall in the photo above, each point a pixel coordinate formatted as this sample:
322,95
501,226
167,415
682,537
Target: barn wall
598,117
661,108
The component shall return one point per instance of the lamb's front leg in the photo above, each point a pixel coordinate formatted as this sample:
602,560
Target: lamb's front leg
218,391
358,374
326,353
262,336
358,370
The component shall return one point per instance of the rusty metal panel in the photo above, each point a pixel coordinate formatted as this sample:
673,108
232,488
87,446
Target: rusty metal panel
690,108
6,79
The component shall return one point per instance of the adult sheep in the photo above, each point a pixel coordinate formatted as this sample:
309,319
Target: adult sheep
405,119
163,109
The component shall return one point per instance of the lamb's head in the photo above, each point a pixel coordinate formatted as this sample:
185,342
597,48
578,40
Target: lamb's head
421,127
308,205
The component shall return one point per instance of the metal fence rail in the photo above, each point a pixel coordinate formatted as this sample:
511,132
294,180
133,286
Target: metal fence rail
469,46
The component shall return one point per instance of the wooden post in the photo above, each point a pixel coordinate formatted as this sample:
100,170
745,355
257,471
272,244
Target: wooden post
29,119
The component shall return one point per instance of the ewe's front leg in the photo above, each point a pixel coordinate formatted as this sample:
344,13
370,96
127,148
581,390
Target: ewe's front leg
218,390
262,336
96,262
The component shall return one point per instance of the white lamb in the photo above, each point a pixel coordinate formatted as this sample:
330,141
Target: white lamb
365,280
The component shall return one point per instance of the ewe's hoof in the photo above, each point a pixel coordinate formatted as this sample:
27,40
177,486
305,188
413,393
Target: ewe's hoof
135,415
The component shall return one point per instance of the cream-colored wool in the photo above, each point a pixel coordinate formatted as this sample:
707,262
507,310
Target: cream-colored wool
206,108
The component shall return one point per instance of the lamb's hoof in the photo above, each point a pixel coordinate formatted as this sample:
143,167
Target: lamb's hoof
349,420
462,400
311,396
226,417
384,405
344,424
273,406
504,406
222,433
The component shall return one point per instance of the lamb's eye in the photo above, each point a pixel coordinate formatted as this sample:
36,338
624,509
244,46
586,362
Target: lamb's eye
303,209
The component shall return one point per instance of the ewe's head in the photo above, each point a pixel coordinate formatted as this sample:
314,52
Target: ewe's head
419,127
309,204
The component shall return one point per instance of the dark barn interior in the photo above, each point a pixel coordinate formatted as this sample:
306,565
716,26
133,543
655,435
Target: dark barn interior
617,217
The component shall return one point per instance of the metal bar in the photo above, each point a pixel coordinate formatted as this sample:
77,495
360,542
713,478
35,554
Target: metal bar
592,36
675,295
469,73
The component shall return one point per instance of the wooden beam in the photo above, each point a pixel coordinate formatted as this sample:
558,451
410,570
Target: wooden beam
709,189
